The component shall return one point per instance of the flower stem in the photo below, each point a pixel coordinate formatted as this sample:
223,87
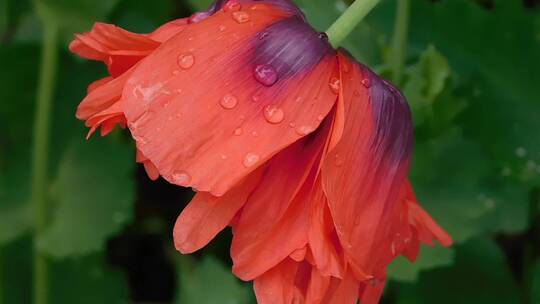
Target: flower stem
344,25
41,153
399,43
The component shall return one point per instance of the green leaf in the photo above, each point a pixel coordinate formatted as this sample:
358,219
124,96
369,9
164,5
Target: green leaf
480,275
143,16
460,187
199,5
3,16
94,191
425,82
87,281
196,278
496,51
74,16
430,257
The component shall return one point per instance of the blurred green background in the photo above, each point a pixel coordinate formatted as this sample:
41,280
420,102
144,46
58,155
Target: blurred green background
471,74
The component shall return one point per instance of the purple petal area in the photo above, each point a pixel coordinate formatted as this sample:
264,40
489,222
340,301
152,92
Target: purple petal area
290,46
392,117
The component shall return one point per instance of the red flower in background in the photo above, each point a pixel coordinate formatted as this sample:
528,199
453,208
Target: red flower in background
300,149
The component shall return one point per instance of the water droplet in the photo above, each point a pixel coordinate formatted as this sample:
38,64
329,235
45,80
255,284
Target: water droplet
241,17
255,133
229,101
198,17
320,117
366,82
255,97
356,93
273,114
323,36
338,161
181,178
251,159
292,125
521,152
186,60
335,85
175,72
304,130
223,156
222,28
263,35
266,74
238,131
232,6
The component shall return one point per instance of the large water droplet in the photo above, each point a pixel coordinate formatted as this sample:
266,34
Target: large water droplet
335,85
186,60
229,101
241,17
181,178
366,82
232,6
251,159
273,114
266,74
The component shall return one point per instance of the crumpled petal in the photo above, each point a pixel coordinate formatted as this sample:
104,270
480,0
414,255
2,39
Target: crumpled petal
196,107
118,48
367,163
206,215
273,224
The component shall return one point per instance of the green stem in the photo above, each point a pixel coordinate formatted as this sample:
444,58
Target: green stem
344,25
41,153
399,43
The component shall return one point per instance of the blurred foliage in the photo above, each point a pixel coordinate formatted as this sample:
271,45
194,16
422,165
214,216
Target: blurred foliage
471,79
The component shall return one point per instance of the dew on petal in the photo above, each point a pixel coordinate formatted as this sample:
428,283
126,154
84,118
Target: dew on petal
266,74
263,35
181,178
304,130
186,60
273,114
320,117
229,101
366,83
238,131
323,36
232,6
241,17
251,159
335,85
176,72
223,156
222,28
255,97
255,134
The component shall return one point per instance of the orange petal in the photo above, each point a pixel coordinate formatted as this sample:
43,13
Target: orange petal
102,104
346,291
318,286
274,224
118,48
195,105
322,236
371,293
367,162
277,286
206,215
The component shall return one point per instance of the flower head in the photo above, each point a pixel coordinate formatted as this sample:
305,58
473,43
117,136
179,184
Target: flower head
303,151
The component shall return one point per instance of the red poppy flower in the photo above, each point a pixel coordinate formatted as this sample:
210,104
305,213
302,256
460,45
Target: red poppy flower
303,151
